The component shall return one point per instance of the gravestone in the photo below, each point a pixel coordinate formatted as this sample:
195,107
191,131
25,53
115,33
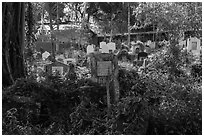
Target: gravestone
149,42
104,47
90,49
61,68
152,45
104,70
182,43
111,46
45,55
193,45
102,43
69,60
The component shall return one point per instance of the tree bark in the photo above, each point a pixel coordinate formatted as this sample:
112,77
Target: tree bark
13,42
51,32
128,24
111,27
57,16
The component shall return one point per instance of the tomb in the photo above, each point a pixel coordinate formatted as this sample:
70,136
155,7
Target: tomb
45,55
56,66
193,46
111,46
104,70
104,48
90,49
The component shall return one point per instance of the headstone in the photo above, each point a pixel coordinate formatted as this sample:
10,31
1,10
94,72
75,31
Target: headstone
102,43
104,47
45,55
56,66
193,45
69,60
152,45
90,49
104,70
111,46
149,42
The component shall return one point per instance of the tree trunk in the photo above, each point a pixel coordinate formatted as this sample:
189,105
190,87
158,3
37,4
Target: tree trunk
83,24
51,33
57,16
128,25
111,27
13,66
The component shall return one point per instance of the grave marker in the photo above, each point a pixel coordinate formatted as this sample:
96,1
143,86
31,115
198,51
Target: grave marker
111,46
45,55
104,70
104,47
56,66
193,45
90,49
152,45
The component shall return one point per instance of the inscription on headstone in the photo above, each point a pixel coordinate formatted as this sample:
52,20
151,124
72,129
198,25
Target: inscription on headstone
193,45
104,68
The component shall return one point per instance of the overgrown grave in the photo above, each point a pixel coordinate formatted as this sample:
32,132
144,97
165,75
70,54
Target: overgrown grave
104,70
56,66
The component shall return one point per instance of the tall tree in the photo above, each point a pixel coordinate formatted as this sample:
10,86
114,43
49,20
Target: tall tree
171,16
112,17
13,19
49,7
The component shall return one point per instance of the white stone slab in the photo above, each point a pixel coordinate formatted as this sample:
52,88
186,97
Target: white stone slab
111,46
193,45
90,49
104,47
45,55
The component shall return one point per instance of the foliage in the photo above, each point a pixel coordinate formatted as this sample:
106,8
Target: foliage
51,8
75,11
151,104
111,16
165,99
170,15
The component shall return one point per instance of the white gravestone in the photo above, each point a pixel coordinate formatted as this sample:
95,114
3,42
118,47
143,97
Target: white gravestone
45,55
193,45
104,47
90,49
151,44
111,46
102,43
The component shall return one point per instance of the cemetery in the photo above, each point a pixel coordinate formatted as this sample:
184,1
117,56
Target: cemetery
78,68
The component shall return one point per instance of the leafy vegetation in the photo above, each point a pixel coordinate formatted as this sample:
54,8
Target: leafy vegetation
153,103
166,98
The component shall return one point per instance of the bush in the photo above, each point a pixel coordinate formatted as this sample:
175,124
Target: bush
156,102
